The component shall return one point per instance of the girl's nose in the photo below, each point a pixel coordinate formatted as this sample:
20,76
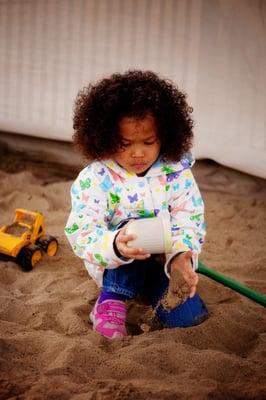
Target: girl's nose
137,151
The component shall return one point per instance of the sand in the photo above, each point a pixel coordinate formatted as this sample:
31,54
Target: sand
48,349
177,292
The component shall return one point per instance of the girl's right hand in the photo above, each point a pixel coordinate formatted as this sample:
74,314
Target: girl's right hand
129,252
182,263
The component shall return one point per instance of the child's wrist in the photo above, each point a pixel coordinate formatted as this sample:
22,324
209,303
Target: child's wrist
175,257
177,260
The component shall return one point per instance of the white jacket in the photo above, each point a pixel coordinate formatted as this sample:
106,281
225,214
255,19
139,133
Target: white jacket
104,194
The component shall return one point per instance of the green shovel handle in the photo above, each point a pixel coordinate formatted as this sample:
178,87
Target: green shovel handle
231,283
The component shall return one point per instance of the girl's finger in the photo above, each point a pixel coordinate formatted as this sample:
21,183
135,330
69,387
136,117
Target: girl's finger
126,238
141,256
193,290
136,252
133,253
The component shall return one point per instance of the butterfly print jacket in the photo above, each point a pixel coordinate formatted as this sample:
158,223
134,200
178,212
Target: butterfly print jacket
104,195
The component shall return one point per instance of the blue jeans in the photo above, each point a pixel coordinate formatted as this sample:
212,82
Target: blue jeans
147,279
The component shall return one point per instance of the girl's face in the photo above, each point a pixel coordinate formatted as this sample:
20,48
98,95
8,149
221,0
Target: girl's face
140,145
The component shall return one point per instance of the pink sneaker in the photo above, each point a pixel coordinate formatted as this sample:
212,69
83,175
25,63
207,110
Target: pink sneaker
109,319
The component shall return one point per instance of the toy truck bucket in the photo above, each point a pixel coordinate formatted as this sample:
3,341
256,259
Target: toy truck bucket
25,217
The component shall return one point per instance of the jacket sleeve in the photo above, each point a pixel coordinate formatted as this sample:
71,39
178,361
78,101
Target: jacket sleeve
187,217
87,225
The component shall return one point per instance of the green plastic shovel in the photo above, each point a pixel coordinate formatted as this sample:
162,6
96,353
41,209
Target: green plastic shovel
231,283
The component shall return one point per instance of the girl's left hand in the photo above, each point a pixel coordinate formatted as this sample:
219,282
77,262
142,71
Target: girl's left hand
129,252
183,264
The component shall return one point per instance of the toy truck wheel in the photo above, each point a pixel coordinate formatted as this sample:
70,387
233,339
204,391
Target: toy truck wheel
29,256
49,244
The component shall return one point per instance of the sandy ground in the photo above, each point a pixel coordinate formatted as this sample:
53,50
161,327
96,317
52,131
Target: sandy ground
48,349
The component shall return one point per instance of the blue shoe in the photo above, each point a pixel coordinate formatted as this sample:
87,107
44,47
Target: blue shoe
190,313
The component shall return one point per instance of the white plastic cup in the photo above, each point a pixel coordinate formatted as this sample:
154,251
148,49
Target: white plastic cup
153,235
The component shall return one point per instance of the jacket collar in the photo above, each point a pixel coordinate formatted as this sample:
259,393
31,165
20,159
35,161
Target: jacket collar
159,168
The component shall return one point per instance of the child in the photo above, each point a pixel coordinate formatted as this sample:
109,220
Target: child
135,129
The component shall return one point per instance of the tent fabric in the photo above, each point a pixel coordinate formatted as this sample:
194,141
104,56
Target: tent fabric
215,50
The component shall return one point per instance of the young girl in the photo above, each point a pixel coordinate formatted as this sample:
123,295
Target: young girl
136,131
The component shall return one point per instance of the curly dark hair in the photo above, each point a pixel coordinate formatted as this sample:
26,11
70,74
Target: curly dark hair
100,107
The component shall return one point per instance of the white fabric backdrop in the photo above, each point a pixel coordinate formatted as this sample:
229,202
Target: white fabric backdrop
213,49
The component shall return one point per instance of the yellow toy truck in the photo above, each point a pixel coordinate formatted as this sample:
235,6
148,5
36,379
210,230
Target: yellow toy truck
25,239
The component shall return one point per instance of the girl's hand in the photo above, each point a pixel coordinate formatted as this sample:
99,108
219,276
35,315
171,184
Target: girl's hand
129,252
182,263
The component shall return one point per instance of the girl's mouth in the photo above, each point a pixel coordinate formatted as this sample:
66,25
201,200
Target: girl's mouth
139,165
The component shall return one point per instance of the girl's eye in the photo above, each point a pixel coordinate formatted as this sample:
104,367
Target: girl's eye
149,143
123,145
